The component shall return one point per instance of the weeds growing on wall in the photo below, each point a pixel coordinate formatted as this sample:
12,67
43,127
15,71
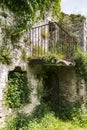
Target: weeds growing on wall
18,90
24,55
81,63
5,56
53,58
12,33
26,13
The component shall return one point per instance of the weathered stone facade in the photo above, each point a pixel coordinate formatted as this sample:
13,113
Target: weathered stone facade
17,61
72,86
63,84
4,110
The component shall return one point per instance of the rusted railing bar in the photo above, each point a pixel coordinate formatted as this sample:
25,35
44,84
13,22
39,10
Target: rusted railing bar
51,38
35,44
40,26
38,43
41,43
57,39
44,38
54,41
32,42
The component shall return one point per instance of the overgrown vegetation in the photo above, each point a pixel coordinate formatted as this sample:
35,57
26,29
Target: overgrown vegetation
5,55
53,58
73,24
51,115
81,63
18,122
46,118
24,55
18,90
28,12
38,51
48,115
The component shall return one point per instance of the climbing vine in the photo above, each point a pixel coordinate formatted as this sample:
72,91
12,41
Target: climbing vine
5,56
29,11
81,63
17,91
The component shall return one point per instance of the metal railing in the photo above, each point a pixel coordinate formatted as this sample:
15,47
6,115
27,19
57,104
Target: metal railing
51,38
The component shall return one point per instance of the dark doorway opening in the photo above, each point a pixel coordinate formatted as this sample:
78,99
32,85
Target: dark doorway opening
51,84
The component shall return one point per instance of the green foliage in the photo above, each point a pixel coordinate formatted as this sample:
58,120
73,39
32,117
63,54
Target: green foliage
81,63
44,118
17,92
4,14
41,110
12,32
50,59
77,18
5,56
26,11
38,51
73,24
24,55
53,58
31,6
18,122
40,91
65,110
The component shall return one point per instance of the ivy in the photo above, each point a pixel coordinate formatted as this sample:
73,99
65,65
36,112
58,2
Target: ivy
5,56
26,10
18,90
81,64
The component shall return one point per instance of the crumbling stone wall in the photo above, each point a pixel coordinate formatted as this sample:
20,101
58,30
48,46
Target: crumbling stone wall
72,86
4,110
16,52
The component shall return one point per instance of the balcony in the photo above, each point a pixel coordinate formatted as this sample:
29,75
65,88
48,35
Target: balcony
51,39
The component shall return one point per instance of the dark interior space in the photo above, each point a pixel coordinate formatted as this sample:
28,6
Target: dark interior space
51,84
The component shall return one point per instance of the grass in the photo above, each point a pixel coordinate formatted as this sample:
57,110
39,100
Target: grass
45,118
48,122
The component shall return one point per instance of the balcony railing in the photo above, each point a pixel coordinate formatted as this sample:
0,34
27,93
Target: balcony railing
51,38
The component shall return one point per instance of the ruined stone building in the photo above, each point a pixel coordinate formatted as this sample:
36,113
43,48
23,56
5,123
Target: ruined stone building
30,54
